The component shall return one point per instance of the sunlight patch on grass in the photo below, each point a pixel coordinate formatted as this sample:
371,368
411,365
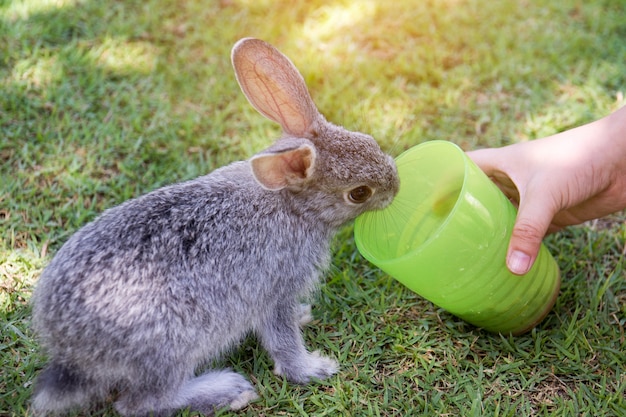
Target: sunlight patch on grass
38,72
26,8
115,55
326,23
19,270
125,57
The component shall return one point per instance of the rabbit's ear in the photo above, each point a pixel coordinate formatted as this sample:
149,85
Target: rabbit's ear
274,86
277,170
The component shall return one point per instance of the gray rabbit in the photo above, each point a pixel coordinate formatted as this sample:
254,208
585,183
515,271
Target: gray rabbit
136,301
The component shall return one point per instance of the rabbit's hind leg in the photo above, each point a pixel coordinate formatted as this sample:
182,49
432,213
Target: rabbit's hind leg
214,390
205,393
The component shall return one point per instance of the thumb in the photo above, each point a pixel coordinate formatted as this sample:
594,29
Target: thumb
531,225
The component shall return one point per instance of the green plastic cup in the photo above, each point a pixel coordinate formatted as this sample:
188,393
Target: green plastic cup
445,237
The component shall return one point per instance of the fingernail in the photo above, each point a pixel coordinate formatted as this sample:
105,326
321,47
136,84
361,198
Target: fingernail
518,262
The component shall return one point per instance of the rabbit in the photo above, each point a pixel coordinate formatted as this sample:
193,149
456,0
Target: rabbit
151,291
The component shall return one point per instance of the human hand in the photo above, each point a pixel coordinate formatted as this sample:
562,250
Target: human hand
560,180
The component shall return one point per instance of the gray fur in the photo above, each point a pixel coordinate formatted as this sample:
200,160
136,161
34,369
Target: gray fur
137,300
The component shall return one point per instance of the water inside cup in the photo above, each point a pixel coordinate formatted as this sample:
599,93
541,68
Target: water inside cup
429,216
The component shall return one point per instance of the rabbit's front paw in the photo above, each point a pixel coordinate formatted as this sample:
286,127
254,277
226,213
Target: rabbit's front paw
304,315
312,366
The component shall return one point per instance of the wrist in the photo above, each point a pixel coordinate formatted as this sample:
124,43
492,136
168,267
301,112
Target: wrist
614,148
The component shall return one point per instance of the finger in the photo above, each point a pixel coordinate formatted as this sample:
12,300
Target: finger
531,226
485,159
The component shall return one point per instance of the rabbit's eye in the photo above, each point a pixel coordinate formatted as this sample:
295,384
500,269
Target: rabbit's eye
360,194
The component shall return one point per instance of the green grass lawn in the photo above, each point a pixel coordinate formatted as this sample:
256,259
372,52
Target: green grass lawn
101,101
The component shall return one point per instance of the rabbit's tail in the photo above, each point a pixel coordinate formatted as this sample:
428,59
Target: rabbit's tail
59,389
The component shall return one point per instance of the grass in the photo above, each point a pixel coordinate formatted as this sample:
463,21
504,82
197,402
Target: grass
103,101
